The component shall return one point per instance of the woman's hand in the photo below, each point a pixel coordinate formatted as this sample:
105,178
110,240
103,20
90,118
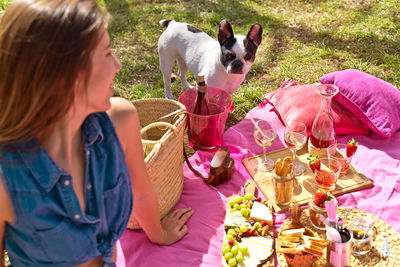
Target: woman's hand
174,225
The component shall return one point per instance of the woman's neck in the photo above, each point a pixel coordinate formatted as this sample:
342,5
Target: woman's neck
65,141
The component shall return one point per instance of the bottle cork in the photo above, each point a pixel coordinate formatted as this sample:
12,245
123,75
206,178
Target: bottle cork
200,77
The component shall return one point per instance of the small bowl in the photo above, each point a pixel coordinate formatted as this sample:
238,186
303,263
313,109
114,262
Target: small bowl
315,212
362,228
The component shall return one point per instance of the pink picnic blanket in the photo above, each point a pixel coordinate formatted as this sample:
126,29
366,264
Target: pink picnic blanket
377,157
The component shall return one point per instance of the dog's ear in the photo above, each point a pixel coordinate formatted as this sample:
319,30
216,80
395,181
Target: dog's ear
225,31
255,34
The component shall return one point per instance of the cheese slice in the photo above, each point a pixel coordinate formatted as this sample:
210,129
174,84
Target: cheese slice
235,219
260,212
260,248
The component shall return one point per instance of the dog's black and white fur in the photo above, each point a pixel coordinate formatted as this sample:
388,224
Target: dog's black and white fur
224,63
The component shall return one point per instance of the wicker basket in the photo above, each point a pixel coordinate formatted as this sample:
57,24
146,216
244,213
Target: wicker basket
163,144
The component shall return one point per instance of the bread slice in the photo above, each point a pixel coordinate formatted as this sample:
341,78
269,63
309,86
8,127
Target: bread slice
289,238
286,244
315,241
293,232
313,251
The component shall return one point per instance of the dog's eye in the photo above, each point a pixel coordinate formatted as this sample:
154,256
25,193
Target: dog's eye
229,56
247,56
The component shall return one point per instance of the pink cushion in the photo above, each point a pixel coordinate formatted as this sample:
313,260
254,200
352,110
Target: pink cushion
302,103
374,101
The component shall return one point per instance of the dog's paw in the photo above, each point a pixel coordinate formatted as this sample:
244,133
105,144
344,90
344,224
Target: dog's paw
173,78
169,96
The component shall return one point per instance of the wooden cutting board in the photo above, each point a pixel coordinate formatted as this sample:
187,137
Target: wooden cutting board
304,189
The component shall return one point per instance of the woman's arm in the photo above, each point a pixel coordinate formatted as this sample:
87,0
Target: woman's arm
145,206
6,215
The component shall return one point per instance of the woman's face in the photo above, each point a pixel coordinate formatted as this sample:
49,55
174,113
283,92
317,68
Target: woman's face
99,87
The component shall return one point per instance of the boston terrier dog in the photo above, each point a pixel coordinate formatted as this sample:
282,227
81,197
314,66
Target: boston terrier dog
224,63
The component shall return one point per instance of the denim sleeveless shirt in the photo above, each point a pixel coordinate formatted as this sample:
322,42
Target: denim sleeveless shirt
49,227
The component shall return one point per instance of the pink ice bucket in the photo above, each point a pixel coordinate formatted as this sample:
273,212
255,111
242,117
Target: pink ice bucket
205,132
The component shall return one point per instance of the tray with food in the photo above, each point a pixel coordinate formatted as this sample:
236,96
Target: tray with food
248,237
299,243
305,185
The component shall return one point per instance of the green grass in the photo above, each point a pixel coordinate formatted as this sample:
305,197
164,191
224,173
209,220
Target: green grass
302,40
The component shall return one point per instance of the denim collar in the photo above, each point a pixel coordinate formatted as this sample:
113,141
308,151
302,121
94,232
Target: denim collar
41,165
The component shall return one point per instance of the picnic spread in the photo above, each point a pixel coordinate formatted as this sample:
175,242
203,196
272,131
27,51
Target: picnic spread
230,227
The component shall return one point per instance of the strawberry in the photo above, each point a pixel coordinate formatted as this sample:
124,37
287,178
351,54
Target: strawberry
314,163
321,196
351,148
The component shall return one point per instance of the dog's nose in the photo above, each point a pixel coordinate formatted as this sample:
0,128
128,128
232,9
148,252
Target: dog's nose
237,64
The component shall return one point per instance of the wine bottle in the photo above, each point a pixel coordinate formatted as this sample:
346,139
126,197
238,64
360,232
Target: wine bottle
201,106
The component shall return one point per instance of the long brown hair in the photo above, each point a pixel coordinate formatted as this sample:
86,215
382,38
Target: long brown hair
45,47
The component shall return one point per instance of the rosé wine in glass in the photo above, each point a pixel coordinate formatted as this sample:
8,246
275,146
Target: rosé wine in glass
338,151
328,175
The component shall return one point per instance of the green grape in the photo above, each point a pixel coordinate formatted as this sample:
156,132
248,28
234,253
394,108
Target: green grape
243,205
239,257
238,199
226,249
248,211
235,249
228,256
243,228
232,262
230,231
236,207
229,237
232,201
245,212
244,249
248,196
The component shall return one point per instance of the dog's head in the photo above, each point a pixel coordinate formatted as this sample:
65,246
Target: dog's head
238,52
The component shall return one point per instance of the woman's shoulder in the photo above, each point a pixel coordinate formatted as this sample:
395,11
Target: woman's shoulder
124,116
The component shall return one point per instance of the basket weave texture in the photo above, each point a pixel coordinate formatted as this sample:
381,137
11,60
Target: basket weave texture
165,159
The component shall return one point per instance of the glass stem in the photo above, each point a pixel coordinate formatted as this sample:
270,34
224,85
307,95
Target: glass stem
264,154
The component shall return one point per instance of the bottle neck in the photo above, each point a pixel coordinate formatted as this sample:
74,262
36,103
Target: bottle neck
202,87
326,104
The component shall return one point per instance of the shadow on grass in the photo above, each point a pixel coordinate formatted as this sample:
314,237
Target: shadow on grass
132,17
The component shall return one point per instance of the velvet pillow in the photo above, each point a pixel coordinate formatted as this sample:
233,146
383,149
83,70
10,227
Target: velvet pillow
302,103
374,101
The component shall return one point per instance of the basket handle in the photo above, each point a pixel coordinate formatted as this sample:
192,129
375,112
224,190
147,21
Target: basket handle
154,125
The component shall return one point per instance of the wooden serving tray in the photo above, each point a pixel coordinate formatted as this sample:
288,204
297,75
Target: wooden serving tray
304,189
249,188
372,258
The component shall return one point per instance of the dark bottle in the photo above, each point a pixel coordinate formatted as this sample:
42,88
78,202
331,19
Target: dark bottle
201,106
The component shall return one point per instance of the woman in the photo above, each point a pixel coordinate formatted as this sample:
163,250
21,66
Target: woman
68,168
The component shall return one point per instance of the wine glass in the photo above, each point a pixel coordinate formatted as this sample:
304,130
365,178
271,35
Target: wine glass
295,139
264,136
338,151
328,175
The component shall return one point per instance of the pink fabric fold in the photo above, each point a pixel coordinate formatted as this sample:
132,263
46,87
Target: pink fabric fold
378,158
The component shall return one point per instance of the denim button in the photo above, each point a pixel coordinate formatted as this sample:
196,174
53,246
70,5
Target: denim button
67,182
77,216
89,186
88,152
